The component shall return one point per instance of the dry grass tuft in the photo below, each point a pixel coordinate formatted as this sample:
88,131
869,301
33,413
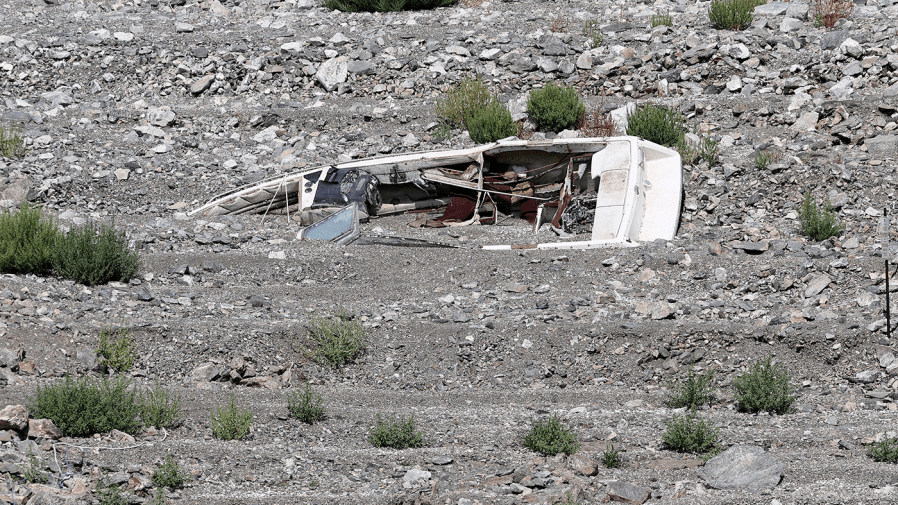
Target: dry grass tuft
828,12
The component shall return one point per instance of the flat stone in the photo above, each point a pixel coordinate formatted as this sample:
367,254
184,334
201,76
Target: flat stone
202,84
584,61
43,428
206,372
416,474
807,121
441,460
331,73
10,358
14,417
160,116
752,247
817,285
772,9
360,67
883,146
743,467
624,492
583,465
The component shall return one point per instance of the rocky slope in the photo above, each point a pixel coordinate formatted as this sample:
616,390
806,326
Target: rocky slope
142,111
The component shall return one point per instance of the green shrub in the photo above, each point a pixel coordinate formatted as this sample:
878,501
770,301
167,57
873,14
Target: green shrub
386,5
550,437
591,30
116,349
763,159
732,14
885,451
706,149
662,20
335,341
306,405
691,434
110,494
491,123
658,124
396,432
169,474
160,408
462,101
765,387
87,406
611,457
11,145
33,472
691,390
92,254
555,108
26,241
819,223
230,422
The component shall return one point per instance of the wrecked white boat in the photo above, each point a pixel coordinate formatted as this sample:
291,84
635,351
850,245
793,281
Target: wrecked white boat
614,190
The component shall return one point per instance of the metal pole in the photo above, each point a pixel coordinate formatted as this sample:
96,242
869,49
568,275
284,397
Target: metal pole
885,213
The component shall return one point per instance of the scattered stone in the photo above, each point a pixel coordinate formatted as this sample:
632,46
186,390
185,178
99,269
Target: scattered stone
14,417
625,492
43,428
743,467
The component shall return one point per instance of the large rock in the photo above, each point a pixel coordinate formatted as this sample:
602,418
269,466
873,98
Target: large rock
202,84
15,191
43,428
331,73
883,146
624,492
10,358
160,116
14,417
9,378
207,372
743,467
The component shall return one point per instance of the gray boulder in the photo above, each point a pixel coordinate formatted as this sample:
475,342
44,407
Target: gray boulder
744,467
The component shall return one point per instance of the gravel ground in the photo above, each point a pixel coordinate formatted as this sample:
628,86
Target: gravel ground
142,111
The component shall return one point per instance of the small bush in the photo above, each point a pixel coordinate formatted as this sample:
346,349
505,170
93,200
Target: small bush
691,390
395,432
116,349
885,451
92,254
765,387
169,474
26,241
828,12
491,123
657,124
691,434
709,150
33,472
550,437
763,159
386,5
592,31
305,405
11,144
611,457
462,101
662,20
230,422
819,223
555,108
110,494
87,406
732,14
160,408
335,341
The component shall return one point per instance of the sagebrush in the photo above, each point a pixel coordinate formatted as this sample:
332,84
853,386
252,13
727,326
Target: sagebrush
27,241
231,422
11,144
550,437
555,108
491,123
88,405
305,404
732,14
95,254
160,408
395,432
818,221
33,471
765,387
662,20
658,124
462,101
885,451
691,434
169,474
116,349
691,390
335,341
